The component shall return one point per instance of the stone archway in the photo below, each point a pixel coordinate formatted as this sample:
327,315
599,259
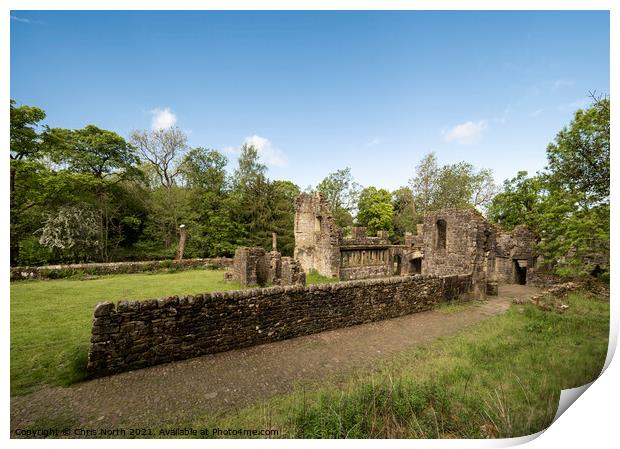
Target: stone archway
398,265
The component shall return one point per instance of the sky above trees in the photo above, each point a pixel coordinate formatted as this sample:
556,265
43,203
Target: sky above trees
318,91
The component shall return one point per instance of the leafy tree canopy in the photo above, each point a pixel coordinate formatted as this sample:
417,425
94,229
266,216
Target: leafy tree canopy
375,210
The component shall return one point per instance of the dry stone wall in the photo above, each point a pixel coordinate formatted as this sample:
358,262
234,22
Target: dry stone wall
131,335
62,271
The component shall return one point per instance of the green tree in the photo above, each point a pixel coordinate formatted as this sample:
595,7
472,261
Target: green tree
162,151
25,150
459,185
519,203
405,216
212,229
91,150
578,158
568,204
283,212
105,157
341,192
424,184
205,170
375,210
250,198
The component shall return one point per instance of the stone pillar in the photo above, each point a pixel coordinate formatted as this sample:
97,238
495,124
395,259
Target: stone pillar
181,246
274,241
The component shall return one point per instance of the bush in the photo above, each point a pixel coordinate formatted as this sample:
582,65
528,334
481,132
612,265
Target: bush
32,253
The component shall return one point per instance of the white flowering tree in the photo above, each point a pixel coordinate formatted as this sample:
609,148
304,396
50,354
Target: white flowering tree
73,231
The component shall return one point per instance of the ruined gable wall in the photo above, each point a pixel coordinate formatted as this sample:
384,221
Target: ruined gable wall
469,245
317,236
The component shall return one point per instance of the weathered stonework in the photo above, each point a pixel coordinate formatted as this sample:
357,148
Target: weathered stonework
254,266
250,267
317,236
458,241
448,242
514,256
131,335
96,269
363,257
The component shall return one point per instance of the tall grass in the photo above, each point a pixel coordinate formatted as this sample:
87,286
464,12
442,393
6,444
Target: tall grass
499,378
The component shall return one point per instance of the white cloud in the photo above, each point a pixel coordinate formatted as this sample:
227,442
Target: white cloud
28,21
577,104
162,118
466,133
374,142
537,112
269,155
19,19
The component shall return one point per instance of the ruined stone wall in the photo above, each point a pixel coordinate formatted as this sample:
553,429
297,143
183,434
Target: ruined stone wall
131,335
99,269
365,262
317,236
466,245
513,248
359,237
291,273
364,272
250,266
253,266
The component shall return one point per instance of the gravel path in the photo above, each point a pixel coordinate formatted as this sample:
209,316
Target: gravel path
225,381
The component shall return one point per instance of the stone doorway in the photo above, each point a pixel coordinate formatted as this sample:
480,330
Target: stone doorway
415,266
520,269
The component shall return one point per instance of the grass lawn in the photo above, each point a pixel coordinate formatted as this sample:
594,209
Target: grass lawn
499,378
51,319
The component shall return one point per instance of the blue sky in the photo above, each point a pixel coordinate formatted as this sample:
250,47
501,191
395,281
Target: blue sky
319,91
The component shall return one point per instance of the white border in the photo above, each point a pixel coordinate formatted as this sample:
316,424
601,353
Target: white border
590,422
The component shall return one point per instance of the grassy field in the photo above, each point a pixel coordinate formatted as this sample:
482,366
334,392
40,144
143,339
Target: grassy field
51,319
500,378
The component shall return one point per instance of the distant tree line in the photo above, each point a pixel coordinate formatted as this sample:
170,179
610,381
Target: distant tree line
90,195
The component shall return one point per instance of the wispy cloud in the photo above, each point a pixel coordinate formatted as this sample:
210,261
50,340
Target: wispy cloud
466,133
162,118
268,153
537,112
573,106
373,142
24,20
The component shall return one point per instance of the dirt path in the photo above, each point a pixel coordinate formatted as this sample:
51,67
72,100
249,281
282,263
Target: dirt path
234,379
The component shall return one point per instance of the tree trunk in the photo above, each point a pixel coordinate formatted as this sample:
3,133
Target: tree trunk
181,247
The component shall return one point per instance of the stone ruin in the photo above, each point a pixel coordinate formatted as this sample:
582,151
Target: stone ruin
255,266
448,242
454,253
